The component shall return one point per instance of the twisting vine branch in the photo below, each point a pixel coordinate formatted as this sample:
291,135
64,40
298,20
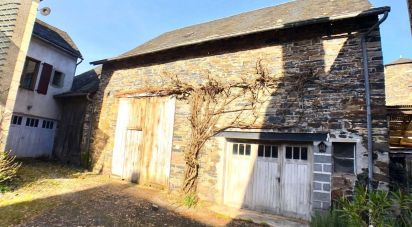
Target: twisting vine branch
217,105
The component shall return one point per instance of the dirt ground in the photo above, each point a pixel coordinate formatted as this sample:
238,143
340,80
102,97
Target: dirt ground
47,194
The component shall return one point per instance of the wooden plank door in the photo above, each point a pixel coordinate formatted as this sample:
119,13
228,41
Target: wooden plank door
252,178
131,169
158,135
143,140
120,137
239,176
266,183
272,178
296,181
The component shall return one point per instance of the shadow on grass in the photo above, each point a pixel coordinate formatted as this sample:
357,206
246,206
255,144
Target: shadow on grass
98,206
35,170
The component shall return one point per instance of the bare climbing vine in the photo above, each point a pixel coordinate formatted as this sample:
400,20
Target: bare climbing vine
217,104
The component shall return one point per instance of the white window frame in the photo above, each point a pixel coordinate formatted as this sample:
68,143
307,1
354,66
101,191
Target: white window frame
264,150
238,146
342,158
17,117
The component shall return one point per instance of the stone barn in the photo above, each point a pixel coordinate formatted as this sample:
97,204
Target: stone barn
307,143
398,83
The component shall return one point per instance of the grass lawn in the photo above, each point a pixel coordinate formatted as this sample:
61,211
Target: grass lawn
40,186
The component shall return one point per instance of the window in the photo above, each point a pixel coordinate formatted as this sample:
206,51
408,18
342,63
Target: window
344,157
47,124
267,151
58,79
29,76
32,122
16,120
241,149
296,153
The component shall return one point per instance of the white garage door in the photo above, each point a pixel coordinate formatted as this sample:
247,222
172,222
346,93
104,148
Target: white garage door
31,136
268,177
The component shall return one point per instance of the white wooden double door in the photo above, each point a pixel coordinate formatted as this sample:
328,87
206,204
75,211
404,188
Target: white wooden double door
270,178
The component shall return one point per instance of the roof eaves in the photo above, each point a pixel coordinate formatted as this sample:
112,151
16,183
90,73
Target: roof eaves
399,63
374,11
70,94
74,54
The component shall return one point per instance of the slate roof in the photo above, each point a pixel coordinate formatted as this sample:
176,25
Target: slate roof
87,82
55,36
289,14
400,61
8,16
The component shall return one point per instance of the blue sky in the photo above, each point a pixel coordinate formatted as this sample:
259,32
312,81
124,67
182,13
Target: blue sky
107,28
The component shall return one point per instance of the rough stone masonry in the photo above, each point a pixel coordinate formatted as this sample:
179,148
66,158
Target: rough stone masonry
333,101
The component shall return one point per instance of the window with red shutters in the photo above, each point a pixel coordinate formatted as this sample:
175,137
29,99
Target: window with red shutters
45,78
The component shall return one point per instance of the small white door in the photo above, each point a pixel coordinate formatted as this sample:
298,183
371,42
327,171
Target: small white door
268,177
240,171
121,129
31,137
296,181
131,168
266,183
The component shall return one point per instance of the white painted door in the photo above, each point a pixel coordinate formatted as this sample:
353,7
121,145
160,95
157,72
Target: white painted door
296,181
267,179
31,137
240,172
131,168
120,135
266,183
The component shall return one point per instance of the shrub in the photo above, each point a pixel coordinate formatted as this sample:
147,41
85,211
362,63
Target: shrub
401,209
328,219
384,209
355,210
8,167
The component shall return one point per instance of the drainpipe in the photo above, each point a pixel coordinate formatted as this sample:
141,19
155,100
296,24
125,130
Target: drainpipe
368,96
81,60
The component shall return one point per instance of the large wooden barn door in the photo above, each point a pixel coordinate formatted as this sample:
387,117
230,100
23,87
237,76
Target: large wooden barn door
143,140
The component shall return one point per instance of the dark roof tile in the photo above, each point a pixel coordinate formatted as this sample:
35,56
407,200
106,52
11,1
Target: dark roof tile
400,61
55,36
270,18
87,82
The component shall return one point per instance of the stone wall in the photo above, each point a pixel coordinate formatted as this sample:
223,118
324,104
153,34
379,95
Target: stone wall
333,94
16,25
322,170
398,84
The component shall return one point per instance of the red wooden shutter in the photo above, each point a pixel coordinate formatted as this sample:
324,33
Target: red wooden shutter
45,78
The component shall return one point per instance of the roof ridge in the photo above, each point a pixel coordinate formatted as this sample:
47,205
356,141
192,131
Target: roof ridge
400,61
63,35
287,14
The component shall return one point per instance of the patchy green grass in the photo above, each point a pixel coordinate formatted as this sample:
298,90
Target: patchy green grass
190,200
39,186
